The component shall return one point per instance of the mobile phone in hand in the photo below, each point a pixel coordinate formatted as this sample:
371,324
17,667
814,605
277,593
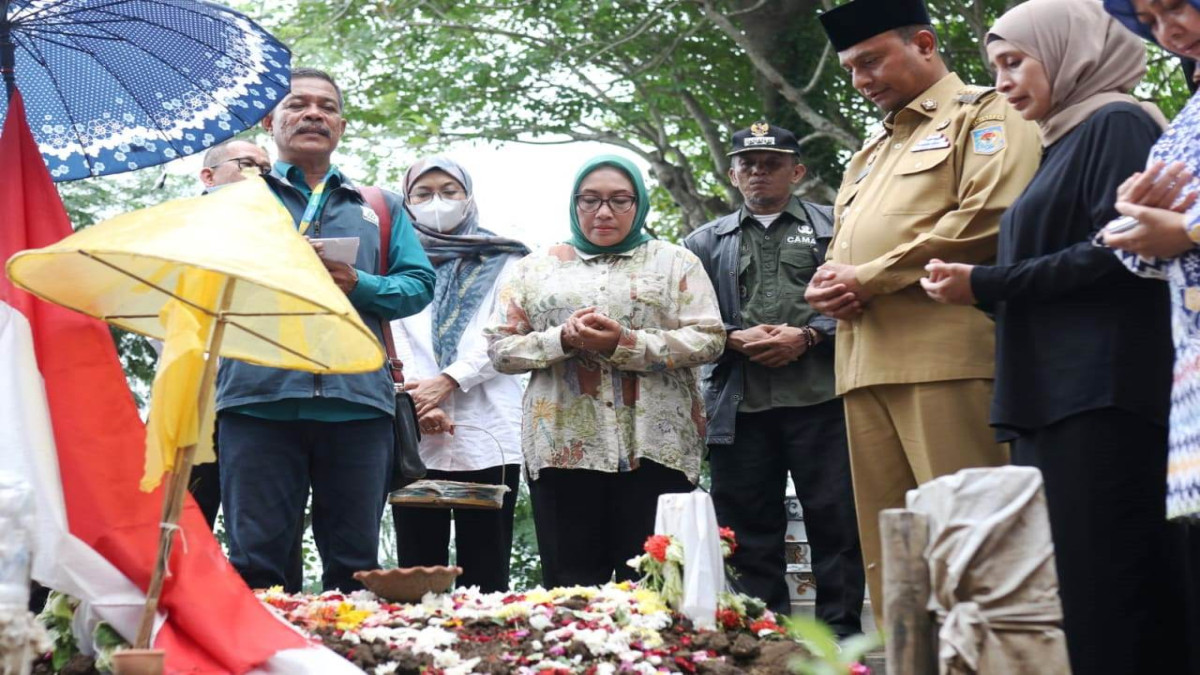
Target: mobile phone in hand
1122,224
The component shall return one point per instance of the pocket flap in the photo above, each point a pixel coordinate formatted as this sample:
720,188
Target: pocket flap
916,162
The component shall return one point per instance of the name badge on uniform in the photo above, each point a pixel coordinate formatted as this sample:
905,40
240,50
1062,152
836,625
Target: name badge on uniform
987,140
932,142
370,216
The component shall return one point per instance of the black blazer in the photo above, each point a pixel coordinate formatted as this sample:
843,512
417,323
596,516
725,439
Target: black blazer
1075,330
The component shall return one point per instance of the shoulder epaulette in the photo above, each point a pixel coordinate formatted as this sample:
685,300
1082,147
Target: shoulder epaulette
973,94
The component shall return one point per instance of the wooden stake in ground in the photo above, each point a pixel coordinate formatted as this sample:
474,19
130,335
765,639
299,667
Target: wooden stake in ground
181,474
908,625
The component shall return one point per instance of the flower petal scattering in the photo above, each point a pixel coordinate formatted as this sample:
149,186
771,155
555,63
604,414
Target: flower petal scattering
613,629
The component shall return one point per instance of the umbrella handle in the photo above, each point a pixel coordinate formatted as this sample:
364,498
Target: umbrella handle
8,59
180,473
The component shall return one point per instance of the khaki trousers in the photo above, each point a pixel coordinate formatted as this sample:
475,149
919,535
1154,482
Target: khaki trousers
903,435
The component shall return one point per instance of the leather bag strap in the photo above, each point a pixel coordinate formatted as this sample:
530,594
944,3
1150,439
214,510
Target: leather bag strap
374,199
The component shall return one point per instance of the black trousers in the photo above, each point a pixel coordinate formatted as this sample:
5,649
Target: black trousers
267,469
749,480
1123,598
482,538
205,486
590,523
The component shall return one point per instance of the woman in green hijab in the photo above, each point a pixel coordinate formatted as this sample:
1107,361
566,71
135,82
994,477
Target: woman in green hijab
611,325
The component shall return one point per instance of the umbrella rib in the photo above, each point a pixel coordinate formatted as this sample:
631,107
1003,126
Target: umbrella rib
258,314
268,340
207,311
151,284
235,324
48,29
46,10
132,94
196,40
41,58
184,76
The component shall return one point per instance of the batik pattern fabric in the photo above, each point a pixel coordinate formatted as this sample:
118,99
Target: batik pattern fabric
1181,143
583,410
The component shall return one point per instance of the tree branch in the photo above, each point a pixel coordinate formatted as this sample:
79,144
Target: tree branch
773,76
816,76
649,21
712,138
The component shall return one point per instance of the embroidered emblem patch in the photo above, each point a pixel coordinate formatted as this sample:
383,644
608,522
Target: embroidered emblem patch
931,142
805,234
987,140
370,216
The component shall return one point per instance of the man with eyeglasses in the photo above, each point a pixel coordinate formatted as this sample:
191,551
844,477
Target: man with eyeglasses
224,163
284,432
772,409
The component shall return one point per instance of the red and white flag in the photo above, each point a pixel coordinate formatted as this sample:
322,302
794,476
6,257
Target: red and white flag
69,425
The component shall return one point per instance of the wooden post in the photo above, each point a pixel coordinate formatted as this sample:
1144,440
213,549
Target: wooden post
908,625
181,472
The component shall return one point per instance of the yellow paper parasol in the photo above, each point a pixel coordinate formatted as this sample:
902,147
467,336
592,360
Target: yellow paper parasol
224,274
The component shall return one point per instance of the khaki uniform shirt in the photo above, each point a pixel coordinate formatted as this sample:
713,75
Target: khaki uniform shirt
933,184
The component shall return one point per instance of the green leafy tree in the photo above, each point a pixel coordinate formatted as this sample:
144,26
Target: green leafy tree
669,80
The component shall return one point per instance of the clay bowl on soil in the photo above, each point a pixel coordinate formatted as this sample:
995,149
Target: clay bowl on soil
408,584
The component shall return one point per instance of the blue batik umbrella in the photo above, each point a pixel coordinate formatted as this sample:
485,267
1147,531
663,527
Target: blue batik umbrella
117,85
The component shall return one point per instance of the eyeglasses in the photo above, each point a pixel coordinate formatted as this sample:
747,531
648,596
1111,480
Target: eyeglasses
616,203
246,163
449,194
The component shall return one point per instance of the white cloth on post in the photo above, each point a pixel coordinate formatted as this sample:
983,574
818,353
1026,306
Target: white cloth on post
691,519
991,566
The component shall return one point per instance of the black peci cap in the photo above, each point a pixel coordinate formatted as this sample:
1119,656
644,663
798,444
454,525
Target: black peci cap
857,20
763,136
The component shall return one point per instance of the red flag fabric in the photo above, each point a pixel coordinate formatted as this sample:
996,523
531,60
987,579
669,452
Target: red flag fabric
214,623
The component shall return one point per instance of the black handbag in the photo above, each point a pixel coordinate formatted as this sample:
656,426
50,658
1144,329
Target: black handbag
407,464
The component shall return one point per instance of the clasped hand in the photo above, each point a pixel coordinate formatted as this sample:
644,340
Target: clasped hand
769,345
1156,198
589,330
835,291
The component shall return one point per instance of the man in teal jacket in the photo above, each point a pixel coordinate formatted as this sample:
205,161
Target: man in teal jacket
284,431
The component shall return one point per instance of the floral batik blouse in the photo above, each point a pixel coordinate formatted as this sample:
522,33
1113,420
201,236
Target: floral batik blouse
583,410
1181,143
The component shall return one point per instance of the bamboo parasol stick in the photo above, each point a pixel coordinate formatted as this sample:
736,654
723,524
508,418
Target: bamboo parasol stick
181,472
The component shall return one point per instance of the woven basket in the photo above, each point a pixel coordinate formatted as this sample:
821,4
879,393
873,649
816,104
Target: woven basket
450,494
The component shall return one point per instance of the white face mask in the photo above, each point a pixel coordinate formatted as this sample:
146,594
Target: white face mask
443,215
